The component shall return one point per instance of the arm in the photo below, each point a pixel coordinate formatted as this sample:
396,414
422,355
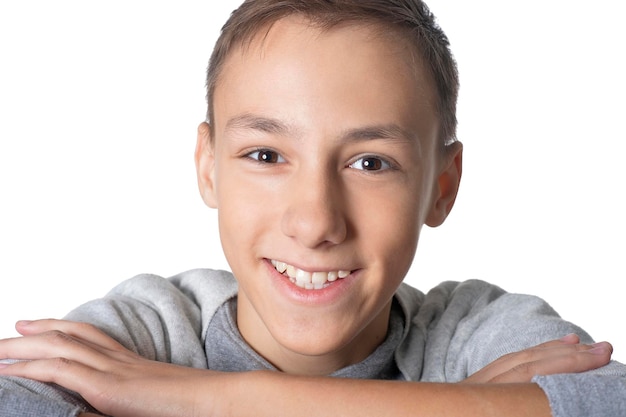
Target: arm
121,383
271,394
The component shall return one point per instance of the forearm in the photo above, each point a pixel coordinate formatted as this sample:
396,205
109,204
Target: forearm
274,394
121,383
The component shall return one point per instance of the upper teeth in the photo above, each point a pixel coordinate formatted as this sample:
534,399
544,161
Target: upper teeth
308,280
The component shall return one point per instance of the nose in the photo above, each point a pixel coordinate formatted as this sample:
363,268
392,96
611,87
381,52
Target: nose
314,216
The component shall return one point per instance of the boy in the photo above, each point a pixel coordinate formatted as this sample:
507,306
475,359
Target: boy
329,143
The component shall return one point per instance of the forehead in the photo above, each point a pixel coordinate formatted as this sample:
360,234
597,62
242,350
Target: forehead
361,71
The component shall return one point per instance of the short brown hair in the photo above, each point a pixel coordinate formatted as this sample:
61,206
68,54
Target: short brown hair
412,18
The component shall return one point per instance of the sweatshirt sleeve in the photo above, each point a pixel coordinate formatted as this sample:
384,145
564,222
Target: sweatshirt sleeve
513,322
21,397
586,394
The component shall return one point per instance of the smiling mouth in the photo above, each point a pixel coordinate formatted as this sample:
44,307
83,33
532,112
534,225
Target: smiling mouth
308,280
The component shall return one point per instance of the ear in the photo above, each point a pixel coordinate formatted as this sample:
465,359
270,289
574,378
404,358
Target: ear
447,185
205,165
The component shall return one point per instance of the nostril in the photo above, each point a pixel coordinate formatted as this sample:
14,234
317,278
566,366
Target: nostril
312,225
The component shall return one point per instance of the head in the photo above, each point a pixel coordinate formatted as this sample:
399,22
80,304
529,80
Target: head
326,152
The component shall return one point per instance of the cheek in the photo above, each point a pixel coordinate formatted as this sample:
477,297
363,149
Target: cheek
388,226
245,215
235,217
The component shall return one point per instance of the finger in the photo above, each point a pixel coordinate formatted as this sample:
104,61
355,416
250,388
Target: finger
587,358
51,344
70,374
78,330
569,339
56,344
545,351
553,349
136,390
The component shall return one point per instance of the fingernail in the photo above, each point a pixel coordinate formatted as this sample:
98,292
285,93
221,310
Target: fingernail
23,322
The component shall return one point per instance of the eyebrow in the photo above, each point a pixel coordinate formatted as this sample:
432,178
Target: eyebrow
260,123
389,131
270,125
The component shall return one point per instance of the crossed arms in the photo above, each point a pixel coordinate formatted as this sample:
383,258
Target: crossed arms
118,382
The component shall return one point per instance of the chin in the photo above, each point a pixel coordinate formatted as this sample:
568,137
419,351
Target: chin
315,341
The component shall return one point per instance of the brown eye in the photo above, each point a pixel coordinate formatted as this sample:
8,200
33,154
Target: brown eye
370,163
266,156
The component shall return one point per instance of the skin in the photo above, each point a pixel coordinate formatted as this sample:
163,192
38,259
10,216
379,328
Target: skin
314,98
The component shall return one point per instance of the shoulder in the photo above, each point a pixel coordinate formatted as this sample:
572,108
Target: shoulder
460,327
161,318
474,305
461,297
197,285
203,290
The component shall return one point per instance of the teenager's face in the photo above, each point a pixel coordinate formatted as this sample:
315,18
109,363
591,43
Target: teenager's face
323,162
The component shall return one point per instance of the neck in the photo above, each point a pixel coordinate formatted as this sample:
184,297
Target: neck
307,357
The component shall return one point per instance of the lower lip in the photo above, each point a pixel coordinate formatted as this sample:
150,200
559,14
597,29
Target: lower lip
331,293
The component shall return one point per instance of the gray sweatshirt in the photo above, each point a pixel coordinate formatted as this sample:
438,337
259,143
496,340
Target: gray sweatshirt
443,336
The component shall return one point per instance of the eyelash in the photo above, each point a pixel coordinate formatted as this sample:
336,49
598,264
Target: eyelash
260,151
385,164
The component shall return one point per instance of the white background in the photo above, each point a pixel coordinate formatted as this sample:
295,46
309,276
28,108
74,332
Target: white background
99,103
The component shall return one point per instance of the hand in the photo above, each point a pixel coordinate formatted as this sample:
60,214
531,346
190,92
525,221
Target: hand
565,355
111,378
